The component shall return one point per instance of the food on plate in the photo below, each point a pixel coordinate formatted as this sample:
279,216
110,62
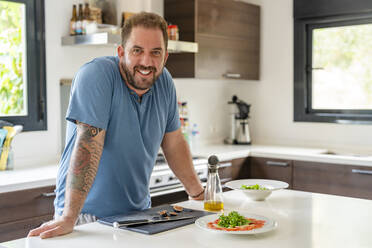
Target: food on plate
173,213
256,187
163,213
177,208
235,222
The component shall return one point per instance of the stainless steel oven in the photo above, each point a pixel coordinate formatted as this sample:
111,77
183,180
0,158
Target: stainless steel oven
163,180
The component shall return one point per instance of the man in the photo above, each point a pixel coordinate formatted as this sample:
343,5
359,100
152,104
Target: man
122,109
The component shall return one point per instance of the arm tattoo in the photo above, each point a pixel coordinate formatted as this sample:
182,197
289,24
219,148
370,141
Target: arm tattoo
85,158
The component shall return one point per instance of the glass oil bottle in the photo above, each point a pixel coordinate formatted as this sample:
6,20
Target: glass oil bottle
213,200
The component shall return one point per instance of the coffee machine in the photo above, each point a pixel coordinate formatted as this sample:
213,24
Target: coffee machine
239,114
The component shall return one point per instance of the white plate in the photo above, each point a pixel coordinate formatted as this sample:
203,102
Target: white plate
269,184
268,226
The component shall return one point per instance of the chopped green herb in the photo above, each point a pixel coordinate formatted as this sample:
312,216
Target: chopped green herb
256,186
233,219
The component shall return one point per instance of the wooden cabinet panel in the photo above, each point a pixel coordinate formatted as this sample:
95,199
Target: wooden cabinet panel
228,34
338,179
24,210
233,169
228,19
19,229
181,13
219,58
181,65
269,168
23,204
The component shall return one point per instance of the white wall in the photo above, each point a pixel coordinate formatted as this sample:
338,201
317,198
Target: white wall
271,97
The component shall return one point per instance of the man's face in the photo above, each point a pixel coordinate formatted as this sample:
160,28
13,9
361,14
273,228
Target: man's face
143,58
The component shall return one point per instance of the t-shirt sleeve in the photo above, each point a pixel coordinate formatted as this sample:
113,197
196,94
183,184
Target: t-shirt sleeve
90,97
173,122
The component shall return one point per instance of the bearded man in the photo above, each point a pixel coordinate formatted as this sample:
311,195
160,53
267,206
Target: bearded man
121,110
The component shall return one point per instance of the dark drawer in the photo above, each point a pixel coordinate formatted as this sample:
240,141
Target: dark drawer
25,204
271,168
233,169
338,179
19,229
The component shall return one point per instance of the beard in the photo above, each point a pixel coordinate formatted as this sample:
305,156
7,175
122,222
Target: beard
140,83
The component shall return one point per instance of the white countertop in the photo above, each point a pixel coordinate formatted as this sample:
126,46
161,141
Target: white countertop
46,175
28,178
306,220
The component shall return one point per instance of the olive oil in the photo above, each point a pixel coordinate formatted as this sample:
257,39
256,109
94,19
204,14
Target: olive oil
213,205
213,200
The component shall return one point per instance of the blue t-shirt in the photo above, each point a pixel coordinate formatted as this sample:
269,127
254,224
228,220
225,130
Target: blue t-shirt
134,131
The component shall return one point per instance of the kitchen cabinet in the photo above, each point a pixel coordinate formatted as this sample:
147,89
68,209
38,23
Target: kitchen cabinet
233,170
24,210
326,178
271,168
228,34
329,178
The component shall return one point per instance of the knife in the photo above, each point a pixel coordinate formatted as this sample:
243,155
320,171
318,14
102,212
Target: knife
126,223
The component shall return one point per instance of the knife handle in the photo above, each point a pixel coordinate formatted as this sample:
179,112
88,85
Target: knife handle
118,224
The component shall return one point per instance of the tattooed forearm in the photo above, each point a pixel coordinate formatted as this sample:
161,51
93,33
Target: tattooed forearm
85,158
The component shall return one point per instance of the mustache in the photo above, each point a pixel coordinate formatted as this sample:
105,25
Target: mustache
141,67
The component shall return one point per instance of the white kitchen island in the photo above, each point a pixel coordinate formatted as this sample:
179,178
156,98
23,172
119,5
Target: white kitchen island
304,220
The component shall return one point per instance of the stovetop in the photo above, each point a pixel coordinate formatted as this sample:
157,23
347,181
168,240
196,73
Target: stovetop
161,162
162,176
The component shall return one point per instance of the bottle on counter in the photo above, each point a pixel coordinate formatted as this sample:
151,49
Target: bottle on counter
86,19
73,21
79,22
213,200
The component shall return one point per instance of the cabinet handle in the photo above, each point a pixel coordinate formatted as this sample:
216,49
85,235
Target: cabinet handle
365,172
232,75
275,163
223,165
49,194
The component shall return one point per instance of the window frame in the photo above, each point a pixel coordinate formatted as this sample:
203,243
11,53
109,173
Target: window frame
36,118
303,112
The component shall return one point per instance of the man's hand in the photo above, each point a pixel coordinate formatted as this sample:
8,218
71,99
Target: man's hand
53,228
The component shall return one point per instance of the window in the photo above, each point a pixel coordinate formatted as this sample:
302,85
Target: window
333,67
22,63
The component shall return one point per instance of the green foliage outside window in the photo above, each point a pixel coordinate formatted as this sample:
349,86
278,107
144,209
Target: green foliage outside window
11,59
344,56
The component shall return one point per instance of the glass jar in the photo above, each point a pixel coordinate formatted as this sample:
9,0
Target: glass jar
173,32
213,200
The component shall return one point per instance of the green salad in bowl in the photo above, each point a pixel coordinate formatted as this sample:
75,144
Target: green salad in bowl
256,187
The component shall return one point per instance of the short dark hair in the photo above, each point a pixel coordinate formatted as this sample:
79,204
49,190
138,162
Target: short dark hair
147,20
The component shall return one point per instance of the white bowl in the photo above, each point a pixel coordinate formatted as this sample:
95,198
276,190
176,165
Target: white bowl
257,194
